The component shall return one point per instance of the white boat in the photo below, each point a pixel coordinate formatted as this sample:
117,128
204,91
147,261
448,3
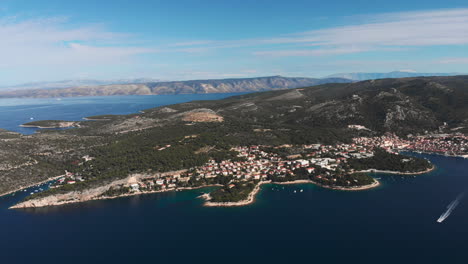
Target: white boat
302,190
450,208
294,191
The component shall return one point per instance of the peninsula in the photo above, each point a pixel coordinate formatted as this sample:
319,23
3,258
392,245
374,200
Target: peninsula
330,135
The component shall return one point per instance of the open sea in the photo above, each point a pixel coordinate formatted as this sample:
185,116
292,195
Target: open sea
395,223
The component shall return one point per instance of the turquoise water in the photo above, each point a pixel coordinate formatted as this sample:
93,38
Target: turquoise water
395,223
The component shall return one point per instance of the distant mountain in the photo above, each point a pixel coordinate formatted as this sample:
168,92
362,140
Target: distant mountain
179,87
362,76
74,83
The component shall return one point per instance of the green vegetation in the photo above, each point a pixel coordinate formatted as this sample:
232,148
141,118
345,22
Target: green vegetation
122,145
232,193
383,160
346,180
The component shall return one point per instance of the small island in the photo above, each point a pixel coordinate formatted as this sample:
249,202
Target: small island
51,124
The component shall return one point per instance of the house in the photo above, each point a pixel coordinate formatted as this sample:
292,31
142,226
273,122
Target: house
135,187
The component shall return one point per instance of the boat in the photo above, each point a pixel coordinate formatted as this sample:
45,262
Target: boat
450,208
294,191
302,190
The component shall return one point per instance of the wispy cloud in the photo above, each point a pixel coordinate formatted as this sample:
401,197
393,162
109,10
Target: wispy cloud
453,61
387,32
56,44
50,42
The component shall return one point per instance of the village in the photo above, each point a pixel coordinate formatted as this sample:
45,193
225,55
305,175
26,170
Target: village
323,164
446,144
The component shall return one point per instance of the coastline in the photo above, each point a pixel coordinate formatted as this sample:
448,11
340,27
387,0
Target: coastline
375,184
398,172
31,185
436,153
92,119
31,126
250,198
65,124
98,198
293,182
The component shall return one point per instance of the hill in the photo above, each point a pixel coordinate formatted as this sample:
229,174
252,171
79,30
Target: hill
180,87
362,76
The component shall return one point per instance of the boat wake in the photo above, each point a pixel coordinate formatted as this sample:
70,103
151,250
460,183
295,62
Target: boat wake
450,208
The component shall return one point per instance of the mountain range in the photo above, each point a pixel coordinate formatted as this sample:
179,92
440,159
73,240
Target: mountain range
74,83
176,87
148,86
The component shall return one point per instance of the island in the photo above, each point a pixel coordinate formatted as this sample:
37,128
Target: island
51,124
334,136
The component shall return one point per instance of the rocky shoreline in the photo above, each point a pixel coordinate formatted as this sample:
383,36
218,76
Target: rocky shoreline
250,198
96,193
399,172
375,184
46,202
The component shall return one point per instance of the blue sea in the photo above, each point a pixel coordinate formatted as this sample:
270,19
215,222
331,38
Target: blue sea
395,223
17,111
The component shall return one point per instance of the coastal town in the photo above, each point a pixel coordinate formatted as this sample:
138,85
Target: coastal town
445,144
330,166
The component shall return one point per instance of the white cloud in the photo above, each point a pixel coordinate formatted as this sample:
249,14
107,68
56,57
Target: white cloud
56,45
49,42
387,32
315,52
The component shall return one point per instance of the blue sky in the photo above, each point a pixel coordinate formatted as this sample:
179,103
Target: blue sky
180,40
